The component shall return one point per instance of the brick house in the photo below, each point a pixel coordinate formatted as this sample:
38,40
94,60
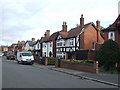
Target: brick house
83,37
113,31
20,46
4,48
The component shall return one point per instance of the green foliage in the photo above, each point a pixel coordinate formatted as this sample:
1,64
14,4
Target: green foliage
108,54
89,61
80,61
51,60
32,52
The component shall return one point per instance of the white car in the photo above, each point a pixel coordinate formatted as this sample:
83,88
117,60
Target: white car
1,54
25,57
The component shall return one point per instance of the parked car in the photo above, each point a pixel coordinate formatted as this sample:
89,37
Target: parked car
25,57
1,54
10,56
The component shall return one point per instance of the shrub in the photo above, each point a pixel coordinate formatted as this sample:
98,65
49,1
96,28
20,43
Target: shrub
51,60
108,54
89,61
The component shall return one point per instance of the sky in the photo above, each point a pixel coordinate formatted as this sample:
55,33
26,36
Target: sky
26,19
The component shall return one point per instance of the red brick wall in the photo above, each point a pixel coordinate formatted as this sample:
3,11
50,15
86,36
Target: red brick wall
90,35
83,67
92,55
117,36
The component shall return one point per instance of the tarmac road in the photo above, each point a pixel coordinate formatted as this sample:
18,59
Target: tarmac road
38,76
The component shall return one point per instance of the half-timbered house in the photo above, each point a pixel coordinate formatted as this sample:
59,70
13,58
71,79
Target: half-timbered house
83,37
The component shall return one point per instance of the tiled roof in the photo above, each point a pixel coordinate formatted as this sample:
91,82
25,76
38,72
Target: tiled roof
117,20
53,36
113,26
63,34
31,43
74,32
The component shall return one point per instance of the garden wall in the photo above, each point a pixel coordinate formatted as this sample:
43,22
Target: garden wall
78,66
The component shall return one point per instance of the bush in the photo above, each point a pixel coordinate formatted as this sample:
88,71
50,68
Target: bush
89,61
51,60
108,54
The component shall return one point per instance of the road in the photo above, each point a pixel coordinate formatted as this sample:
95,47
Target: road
39,76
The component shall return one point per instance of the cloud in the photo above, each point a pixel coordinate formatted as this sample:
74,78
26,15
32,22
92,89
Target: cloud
24,19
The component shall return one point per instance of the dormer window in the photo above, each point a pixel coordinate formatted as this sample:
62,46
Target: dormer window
111,35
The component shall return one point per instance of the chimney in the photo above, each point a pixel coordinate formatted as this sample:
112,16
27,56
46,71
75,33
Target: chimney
18,42
23,42
82,21
33,39
98,24
45,35
64,27
48,33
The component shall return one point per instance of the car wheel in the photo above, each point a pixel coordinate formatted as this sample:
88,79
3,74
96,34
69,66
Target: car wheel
18,62
31,63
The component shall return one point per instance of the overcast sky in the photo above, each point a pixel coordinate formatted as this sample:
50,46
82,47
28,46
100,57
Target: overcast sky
26,19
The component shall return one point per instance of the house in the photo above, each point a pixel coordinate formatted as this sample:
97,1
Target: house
29,45
37,48
83,37
113,31
4,48
12,47
46,45
20,46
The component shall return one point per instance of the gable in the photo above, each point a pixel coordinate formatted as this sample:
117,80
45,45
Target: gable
59,37
27,44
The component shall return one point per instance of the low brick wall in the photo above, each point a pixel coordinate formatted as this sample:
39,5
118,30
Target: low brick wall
36,59
79,66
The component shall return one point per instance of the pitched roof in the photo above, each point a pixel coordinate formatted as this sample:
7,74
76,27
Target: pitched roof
116,21
45,39
31,43
53,36
63,34
74,32
113,26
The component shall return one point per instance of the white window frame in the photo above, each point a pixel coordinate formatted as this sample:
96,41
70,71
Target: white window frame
109,35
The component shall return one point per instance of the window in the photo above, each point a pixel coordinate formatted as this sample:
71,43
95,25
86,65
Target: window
71,42
44,54
50,44
93,45
111,35
38,46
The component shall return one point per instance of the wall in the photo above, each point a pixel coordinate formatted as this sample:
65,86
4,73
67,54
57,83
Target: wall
90,35
76,66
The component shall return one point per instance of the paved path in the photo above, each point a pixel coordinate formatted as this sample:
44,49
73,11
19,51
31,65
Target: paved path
111,79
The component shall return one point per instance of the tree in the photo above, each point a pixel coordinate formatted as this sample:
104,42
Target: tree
108,54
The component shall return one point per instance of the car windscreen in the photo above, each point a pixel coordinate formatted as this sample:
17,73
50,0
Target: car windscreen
26,54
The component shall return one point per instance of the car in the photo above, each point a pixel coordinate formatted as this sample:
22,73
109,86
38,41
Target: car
10,56
1,54
25,57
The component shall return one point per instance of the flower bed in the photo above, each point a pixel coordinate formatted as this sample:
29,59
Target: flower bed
84,65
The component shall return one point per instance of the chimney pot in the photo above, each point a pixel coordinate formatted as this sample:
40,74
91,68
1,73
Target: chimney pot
47,33
64,27
82,21
33,39
98,24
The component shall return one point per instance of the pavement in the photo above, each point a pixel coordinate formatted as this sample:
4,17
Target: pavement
111,79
